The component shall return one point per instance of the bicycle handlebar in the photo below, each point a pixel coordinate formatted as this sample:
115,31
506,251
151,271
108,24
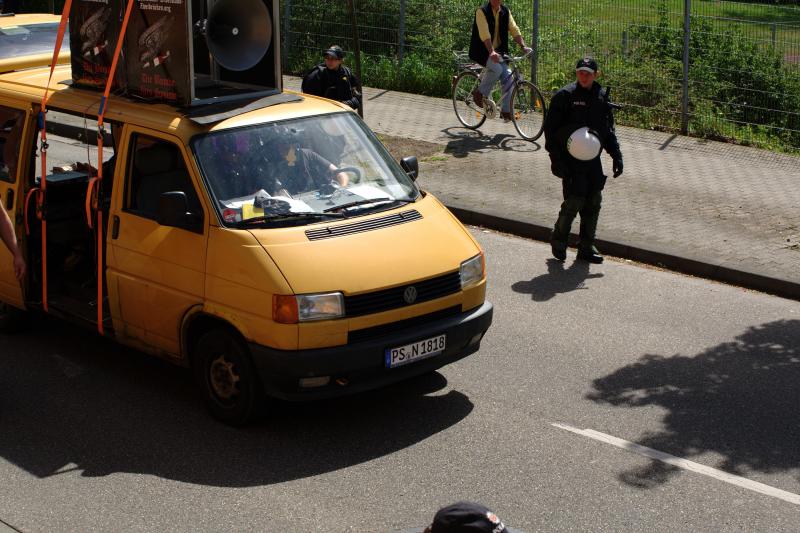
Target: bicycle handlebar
514,59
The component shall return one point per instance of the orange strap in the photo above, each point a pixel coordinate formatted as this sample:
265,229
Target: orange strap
42,189
95,184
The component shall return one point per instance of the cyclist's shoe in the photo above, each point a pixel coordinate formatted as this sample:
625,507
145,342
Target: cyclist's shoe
477,97
505,115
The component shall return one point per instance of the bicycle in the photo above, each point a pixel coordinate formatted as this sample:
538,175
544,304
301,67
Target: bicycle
528,108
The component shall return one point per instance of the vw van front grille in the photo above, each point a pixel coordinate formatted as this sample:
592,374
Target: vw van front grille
366,225
375,302
375,332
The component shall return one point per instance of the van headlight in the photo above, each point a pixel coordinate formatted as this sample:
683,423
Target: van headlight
294,308
472,271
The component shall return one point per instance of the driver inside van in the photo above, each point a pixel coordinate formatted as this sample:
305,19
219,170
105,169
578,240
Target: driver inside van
300,169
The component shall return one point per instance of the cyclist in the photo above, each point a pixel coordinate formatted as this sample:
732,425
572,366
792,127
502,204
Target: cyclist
489,42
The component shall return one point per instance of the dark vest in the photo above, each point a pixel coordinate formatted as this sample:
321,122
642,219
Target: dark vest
477,50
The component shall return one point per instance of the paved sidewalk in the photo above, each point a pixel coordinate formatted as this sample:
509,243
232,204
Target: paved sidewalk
712,209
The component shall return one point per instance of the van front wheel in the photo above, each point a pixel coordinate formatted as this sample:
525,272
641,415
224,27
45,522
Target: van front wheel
227,377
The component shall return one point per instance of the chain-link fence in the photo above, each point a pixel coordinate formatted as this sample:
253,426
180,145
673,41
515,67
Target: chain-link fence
714,68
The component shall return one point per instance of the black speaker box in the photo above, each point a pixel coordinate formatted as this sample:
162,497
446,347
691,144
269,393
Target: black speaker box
182,52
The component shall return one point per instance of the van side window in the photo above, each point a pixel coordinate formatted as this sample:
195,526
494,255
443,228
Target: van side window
11,124
157,167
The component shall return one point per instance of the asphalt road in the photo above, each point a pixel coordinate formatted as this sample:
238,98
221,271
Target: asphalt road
97,437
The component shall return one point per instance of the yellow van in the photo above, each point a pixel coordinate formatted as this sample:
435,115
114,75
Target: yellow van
27,40
275,248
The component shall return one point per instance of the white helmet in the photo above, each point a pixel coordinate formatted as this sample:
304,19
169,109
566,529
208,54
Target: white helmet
583,144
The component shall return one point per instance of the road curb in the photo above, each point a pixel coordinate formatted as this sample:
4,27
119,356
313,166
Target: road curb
618,248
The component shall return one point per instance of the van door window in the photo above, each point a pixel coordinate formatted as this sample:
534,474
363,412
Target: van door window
157,167
11,124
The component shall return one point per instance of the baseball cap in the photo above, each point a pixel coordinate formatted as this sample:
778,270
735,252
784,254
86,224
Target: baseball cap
334,51
587,64
467,517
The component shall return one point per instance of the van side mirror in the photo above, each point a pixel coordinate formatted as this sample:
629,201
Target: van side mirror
411,166
173,211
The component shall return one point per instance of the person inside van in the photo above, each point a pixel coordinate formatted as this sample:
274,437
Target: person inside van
300,169
10,239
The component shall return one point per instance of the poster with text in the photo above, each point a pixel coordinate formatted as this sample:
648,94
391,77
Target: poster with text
94,27
157,43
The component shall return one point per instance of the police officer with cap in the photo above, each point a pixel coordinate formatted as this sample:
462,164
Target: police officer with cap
333,80
578,124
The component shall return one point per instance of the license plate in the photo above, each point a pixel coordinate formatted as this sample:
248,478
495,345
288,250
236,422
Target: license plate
415,351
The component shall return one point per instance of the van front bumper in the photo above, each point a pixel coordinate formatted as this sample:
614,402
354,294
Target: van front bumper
361,366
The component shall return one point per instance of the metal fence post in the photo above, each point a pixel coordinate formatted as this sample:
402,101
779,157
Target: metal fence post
687,15
287,34
774,34
401,31
354,26
535,42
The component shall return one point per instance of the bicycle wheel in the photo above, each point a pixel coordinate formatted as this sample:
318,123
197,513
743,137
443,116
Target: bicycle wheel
529,110
467,111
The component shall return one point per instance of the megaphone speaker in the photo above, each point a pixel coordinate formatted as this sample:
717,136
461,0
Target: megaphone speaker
237,51
239,33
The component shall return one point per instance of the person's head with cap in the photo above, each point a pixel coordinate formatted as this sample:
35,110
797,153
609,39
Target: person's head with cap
466,517
586,72
333,56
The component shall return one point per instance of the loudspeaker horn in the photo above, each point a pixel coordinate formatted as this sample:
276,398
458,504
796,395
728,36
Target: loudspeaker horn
238,33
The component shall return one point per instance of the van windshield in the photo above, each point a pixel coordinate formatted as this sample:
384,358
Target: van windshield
29,39
307,169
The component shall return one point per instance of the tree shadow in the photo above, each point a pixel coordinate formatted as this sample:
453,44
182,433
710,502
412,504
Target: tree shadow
738,399
76,402
558,280
466,141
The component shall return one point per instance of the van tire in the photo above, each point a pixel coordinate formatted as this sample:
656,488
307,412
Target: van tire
227,378
12,320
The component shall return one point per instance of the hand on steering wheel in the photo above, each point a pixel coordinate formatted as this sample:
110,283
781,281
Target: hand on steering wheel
353,170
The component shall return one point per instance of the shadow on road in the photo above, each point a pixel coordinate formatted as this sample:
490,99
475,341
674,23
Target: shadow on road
76,402
465,141
738,399
558,280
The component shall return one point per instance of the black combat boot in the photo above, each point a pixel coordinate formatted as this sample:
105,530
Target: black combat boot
590,254
559,249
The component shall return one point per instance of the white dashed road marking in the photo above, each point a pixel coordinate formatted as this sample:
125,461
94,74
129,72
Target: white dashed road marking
685,464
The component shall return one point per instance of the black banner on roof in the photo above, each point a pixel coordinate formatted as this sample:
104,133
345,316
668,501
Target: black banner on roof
157,45
94,29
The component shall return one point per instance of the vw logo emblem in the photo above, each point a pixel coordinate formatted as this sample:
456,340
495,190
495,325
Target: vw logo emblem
410,294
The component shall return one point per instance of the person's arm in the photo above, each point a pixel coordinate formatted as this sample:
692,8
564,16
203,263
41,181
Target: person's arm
611,144
553,121
355,91
10,240
311,83
513,29
485,36
341,177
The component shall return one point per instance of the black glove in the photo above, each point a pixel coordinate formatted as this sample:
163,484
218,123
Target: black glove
559,168
617,166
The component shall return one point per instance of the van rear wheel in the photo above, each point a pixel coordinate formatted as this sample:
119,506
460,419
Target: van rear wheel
12,320
227,377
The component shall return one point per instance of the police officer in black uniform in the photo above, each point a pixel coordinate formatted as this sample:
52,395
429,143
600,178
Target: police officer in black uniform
333,80
579,104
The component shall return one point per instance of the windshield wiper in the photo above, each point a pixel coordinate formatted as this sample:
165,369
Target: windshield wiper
289,216
365,202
